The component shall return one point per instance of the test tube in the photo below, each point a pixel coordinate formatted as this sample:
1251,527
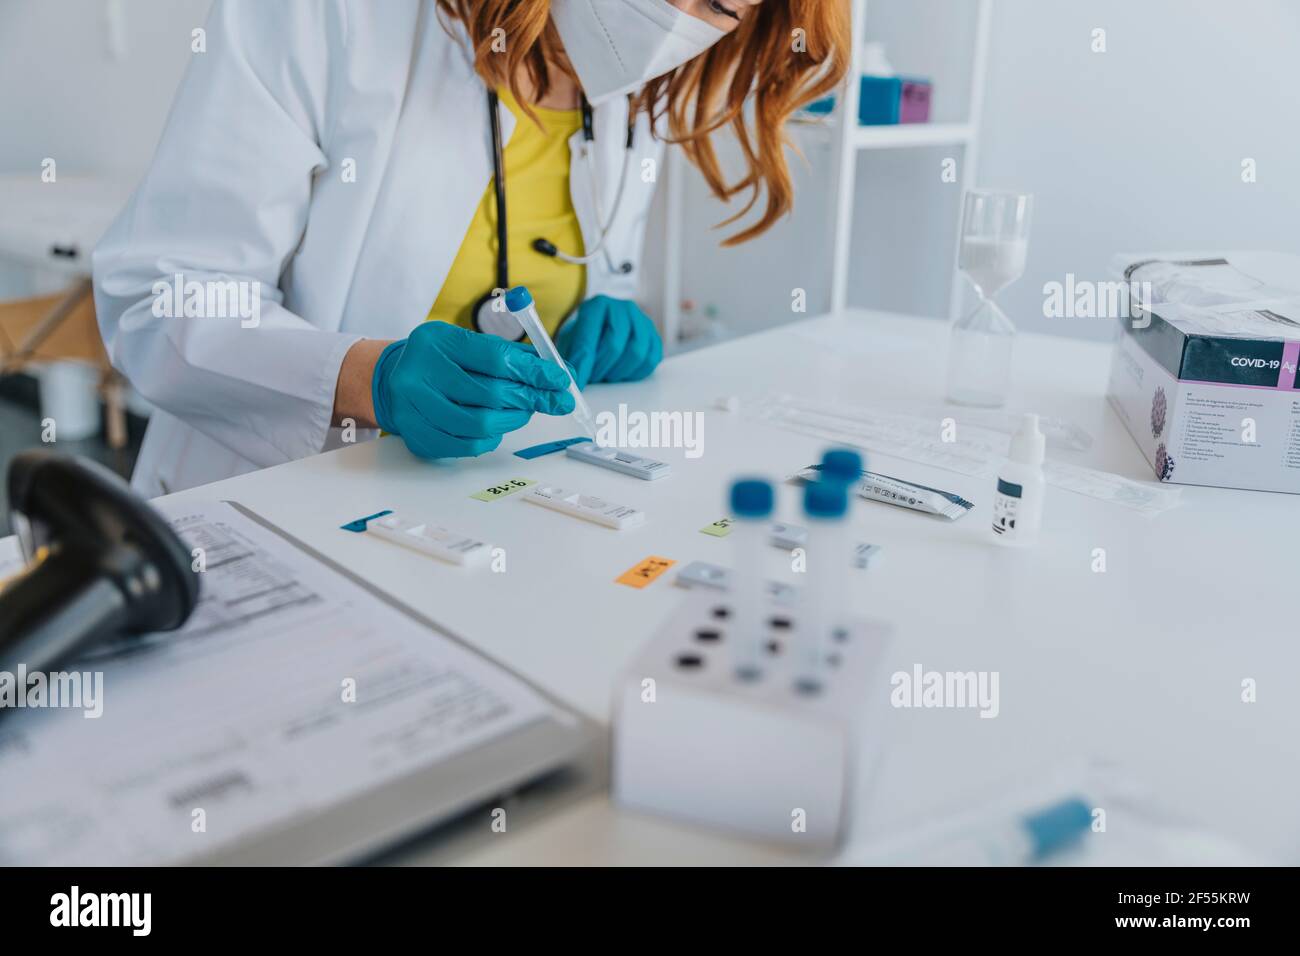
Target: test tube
825,504
751,509
991,838
845,466
519,302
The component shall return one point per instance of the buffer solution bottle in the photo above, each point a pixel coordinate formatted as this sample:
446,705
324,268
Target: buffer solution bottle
1018,497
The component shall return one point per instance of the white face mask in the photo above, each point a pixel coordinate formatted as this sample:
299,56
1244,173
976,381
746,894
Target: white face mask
617,45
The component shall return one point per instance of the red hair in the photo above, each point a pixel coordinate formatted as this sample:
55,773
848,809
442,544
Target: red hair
783,55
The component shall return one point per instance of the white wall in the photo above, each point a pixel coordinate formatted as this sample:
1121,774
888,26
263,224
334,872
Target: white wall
1140,148
64,95
1136,148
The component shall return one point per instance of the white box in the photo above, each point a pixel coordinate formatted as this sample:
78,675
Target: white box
1206,382
760,758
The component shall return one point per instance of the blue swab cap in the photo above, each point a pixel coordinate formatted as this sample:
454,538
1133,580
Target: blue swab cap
1057,826
519,298
842,464
825,499
752,498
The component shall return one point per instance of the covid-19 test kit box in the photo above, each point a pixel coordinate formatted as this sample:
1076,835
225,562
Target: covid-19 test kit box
1204,371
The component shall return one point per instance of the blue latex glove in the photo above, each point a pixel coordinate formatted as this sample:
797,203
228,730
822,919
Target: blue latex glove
451,393
609,340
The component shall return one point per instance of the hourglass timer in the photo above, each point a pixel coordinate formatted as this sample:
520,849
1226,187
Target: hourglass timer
994,240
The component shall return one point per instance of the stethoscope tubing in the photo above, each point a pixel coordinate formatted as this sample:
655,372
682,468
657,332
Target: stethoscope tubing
541,244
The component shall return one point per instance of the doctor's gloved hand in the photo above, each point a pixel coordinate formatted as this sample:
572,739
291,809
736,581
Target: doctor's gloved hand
452,393
609,340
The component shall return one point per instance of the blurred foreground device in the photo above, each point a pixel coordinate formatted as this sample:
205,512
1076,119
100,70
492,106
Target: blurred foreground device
101,563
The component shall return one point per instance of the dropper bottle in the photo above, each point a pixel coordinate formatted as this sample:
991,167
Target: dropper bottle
1018,495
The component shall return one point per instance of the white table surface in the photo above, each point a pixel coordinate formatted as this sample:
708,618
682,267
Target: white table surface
1142,664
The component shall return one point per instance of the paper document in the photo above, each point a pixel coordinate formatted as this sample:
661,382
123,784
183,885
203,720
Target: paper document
976,452
292,687
1234,295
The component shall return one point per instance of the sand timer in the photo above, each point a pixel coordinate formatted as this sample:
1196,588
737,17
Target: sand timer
993,245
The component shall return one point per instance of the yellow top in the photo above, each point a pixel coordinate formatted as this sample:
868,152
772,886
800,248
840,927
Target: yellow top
537,205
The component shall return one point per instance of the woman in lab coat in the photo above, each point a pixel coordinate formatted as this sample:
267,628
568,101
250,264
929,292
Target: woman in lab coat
325,184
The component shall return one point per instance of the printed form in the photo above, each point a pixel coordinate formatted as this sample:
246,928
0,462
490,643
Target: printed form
292,687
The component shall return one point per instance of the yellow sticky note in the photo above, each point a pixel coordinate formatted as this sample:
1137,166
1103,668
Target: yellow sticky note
503,489
645,572
719,529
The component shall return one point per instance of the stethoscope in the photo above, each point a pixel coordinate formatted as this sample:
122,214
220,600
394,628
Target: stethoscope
489,314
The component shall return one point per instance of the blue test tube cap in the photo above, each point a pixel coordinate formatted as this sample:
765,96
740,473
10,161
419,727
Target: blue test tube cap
842,464
826,500
518,298
752,498
1056,827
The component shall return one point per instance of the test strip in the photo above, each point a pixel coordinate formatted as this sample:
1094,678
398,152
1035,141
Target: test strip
624,462
360,524
431,539
548,448
587,507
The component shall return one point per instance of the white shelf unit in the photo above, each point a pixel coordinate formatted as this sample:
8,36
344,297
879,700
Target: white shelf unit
848,142
912,134
850,147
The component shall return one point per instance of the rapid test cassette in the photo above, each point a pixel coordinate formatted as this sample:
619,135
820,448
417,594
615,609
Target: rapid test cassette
702,574
431,539
588,507
790,536
647,469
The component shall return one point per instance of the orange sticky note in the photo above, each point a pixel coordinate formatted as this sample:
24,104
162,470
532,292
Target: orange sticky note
645,572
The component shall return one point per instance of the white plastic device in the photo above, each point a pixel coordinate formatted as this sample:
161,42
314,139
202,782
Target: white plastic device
791,536
587,507
430,538
695,741
647,469
702,574
788,536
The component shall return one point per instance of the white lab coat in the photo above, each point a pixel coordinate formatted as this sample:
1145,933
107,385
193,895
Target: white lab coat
250,182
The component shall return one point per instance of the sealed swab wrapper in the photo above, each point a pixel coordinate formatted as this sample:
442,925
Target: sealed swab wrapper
905,494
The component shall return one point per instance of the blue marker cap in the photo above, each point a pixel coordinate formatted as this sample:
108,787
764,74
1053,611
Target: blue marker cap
841,464
752,498
1057,826
519,298
825,499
